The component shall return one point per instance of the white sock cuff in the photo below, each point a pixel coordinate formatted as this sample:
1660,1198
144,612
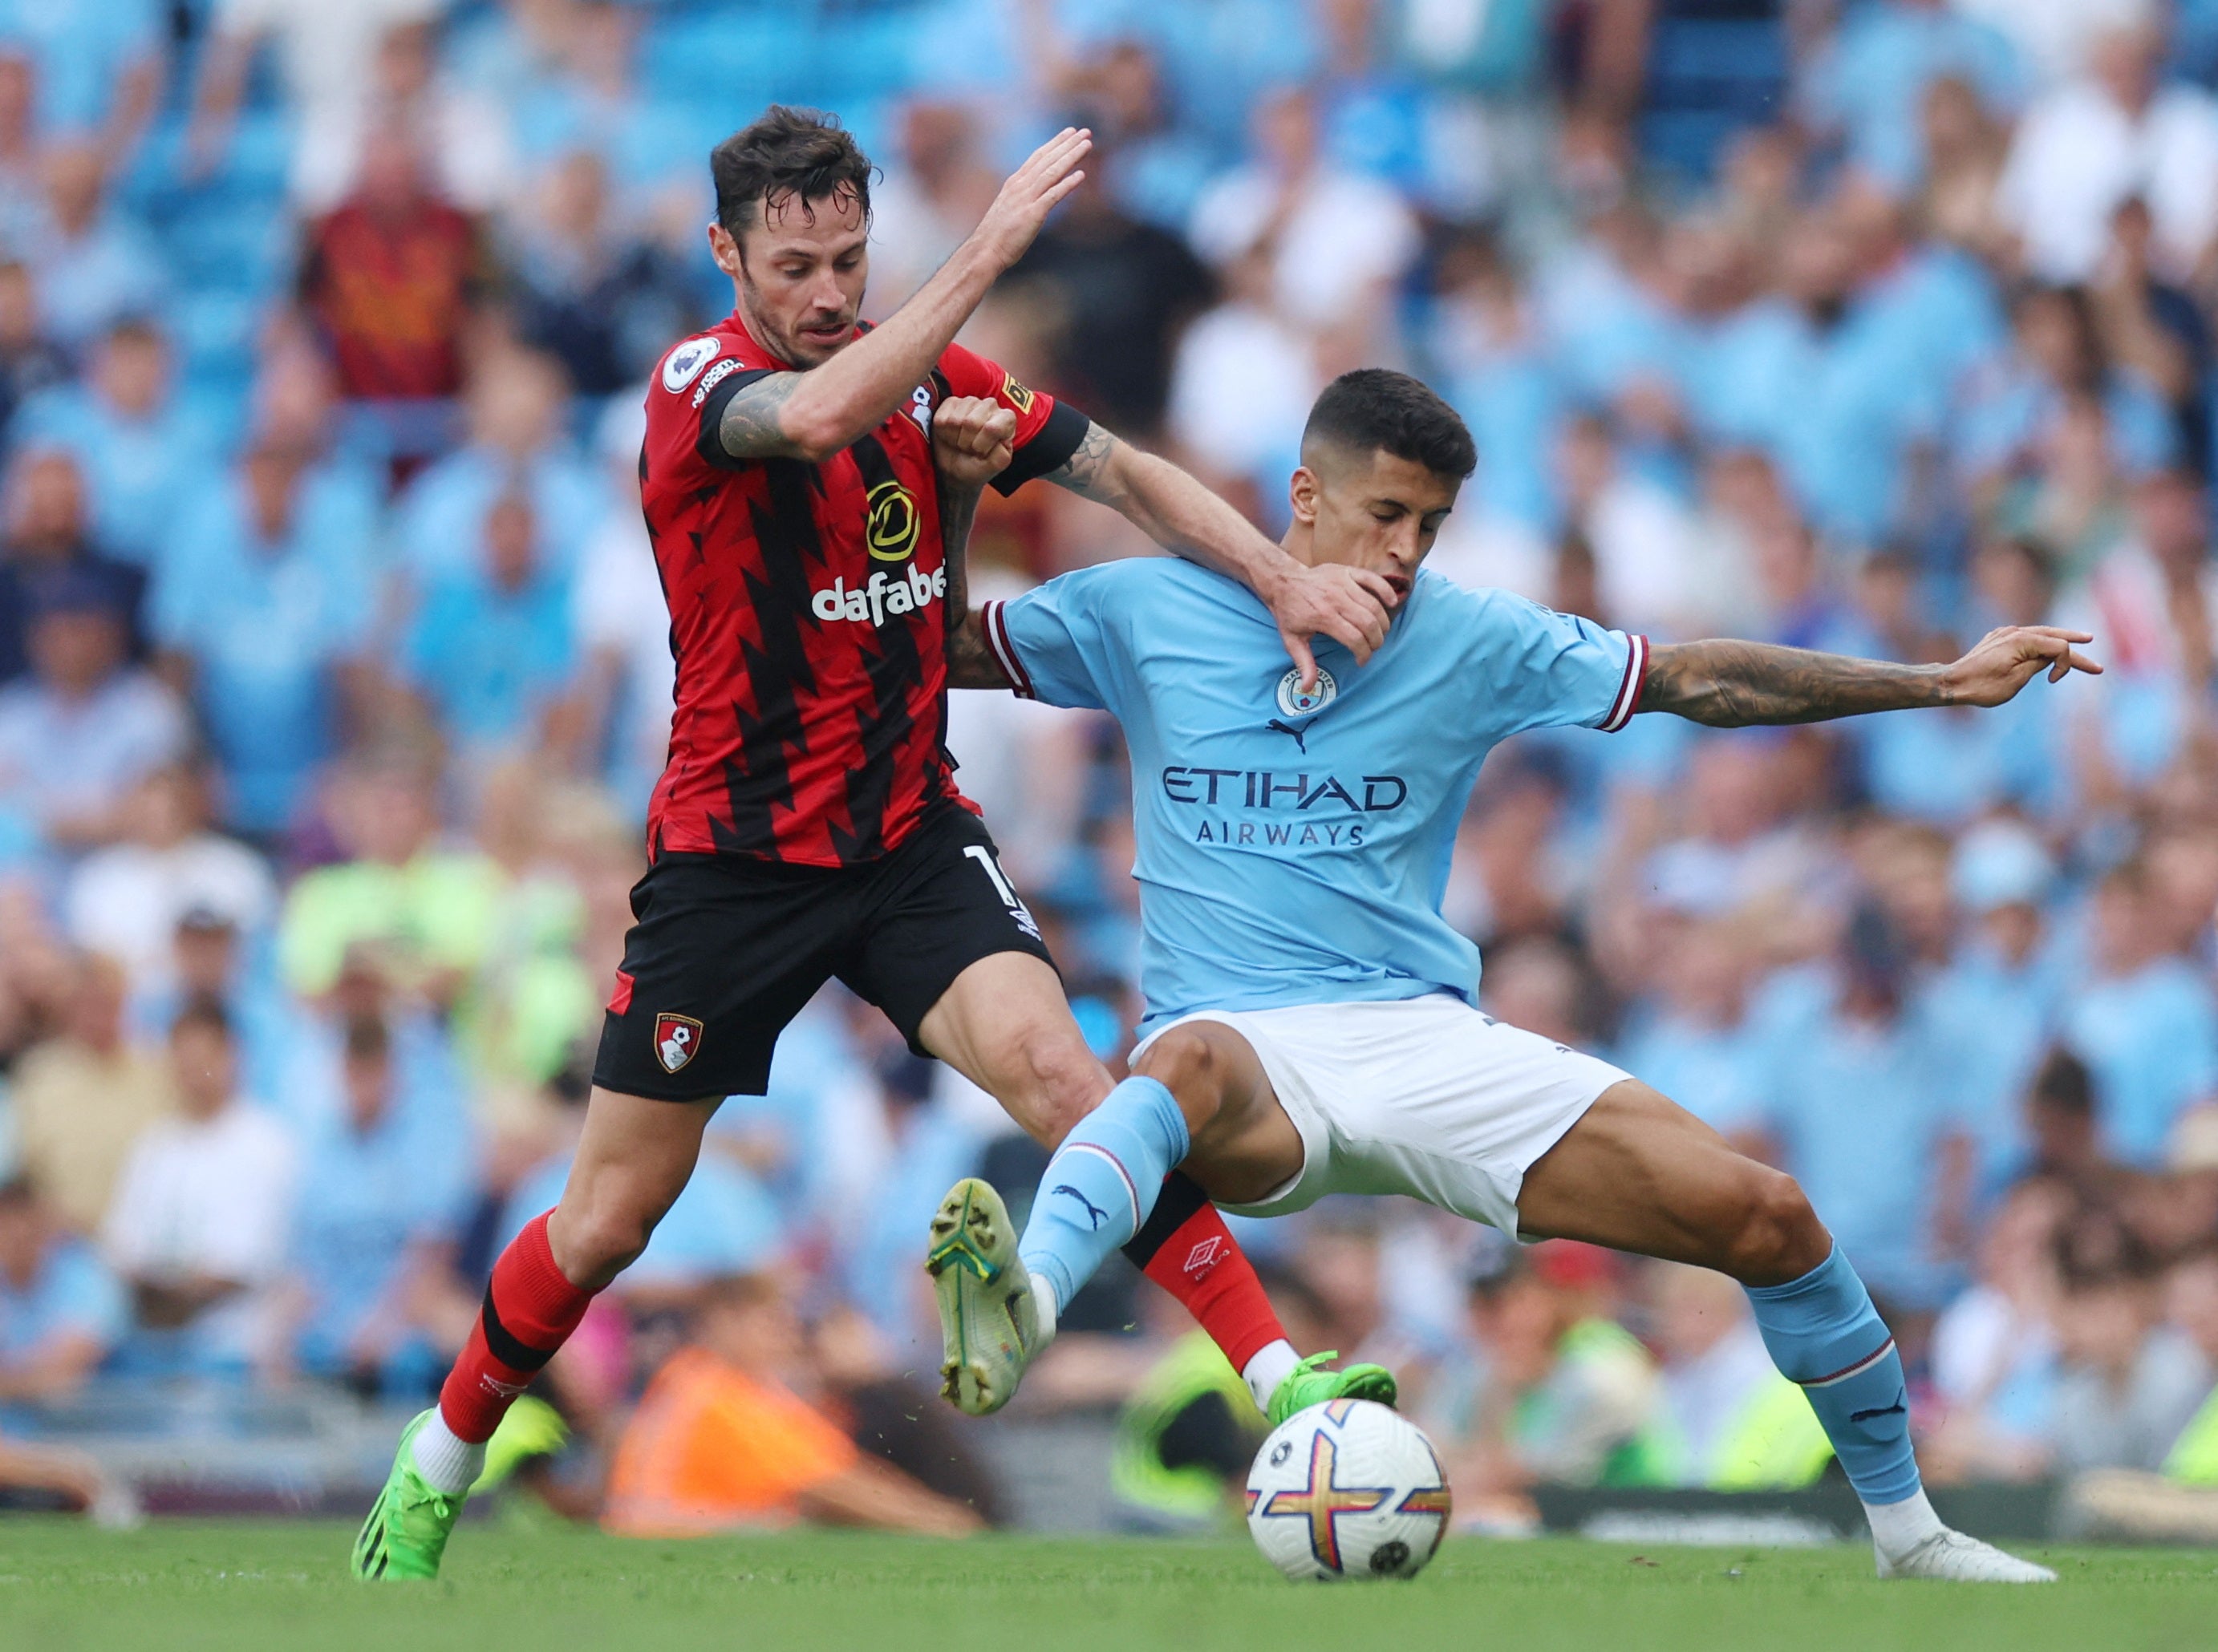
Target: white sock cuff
1898,1528
1044,1305
1268,1369
448,1463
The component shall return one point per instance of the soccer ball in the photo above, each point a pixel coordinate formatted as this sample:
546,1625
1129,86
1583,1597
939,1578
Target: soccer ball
1348,1490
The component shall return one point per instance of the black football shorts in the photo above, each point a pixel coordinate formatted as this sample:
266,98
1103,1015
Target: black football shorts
726,950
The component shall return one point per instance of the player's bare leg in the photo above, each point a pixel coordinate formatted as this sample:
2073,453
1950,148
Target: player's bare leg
1638,1173
1245,1147
632,1160
1006,1025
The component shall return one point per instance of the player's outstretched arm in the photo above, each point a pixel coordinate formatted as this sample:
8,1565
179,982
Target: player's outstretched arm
973,439
1349,605
812,415
1730,684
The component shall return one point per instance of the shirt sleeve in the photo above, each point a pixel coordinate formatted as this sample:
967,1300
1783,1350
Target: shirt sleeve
1052,643
1048,431
1545,670
685,397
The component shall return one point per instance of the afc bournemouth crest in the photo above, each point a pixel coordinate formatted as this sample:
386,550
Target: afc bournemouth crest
1295,703
677,1040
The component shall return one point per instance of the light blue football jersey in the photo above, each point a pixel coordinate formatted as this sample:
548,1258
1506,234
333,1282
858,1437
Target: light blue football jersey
1294,850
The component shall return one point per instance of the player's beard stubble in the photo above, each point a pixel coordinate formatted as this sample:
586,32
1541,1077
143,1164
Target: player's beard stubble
792,344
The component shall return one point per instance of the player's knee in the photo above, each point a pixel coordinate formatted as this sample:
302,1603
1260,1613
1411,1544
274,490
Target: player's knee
1776,1234
1185,1063
1053,1081
603,1236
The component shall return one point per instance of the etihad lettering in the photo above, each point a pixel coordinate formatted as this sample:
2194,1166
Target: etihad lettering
885,596
1280,789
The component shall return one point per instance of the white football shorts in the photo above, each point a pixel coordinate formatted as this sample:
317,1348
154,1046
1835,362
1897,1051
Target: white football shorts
1425,1096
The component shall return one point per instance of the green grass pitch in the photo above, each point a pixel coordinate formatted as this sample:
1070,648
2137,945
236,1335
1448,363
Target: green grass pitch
241,1585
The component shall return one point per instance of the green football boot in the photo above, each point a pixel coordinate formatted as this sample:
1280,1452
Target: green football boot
532,1428
988,1324
1310,1384
406,1533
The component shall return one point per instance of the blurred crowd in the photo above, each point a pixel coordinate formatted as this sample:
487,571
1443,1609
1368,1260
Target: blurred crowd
334,674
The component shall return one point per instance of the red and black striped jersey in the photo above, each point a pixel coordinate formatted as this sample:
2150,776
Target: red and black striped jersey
807,612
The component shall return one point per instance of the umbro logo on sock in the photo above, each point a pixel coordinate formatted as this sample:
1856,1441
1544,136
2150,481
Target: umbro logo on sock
1094,1213
1203,1257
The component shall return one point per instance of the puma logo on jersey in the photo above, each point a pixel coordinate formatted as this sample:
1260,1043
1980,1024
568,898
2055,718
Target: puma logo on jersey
886,597
1301,735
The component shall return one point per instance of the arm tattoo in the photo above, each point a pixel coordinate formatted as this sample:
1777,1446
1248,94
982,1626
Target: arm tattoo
970,663
1729,684
1092,470
752,425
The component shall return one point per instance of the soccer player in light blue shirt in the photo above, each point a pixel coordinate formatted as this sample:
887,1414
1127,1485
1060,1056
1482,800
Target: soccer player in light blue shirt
1310,1026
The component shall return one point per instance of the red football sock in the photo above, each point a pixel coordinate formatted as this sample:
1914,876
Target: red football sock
530,1310
1194,1256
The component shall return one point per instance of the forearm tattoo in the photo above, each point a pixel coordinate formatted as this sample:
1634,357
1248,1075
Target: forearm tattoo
970,663
752,425
1092,470
1730,684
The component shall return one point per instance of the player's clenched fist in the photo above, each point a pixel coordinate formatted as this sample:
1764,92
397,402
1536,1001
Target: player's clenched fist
973,439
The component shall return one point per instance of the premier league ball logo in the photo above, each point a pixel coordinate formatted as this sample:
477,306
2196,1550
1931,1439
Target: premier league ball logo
1295,703
684,364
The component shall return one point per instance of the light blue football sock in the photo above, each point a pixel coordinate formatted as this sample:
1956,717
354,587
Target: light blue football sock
1101,1184
1825,1335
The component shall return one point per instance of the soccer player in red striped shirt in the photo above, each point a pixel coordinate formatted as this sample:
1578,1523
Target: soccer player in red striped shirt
808,826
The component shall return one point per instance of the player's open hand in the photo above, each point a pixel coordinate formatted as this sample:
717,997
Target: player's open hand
1350,605
1030,193
2010,657
973,439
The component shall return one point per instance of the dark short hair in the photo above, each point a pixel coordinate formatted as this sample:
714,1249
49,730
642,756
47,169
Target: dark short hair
1375,407
803,153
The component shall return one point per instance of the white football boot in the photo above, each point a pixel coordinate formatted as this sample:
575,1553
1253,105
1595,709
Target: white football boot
1951,1558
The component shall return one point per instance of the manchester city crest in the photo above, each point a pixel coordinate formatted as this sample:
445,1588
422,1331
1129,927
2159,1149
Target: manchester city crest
1296,703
